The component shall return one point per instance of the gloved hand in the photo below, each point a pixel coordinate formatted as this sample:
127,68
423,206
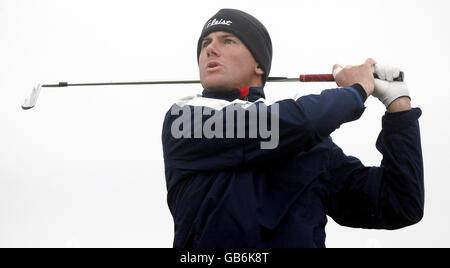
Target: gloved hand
386,89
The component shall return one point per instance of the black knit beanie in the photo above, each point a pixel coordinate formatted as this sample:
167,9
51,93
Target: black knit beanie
248,29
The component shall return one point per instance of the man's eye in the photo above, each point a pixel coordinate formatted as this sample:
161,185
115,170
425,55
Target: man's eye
205,43
229,41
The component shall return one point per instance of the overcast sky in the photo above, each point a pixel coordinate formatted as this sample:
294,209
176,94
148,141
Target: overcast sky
84,168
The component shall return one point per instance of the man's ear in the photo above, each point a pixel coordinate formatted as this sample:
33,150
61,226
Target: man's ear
259,70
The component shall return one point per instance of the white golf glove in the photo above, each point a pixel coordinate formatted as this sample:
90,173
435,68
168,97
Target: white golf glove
386,89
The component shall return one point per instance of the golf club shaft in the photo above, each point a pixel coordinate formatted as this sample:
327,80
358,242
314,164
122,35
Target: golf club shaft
302,78
66,84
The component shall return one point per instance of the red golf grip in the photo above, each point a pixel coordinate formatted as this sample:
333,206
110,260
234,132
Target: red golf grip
316,78
330,78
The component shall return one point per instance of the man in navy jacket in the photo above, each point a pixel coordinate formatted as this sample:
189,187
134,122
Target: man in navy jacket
242,172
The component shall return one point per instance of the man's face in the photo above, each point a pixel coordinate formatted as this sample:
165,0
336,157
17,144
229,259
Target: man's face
226,63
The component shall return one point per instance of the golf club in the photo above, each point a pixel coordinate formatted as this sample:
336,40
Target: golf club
30,102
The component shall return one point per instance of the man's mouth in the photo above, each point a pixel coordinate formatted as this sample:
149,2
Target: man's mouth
213,65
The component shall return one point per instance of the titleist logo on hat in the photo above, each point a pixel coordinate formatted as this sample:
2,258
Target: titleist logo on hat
216,22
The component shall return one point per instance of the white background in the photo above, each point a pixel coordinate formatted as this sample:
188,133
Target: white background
84,168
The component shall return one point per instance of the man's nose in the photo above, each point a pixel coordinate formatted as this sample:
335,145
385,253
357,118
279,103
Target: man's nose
212,49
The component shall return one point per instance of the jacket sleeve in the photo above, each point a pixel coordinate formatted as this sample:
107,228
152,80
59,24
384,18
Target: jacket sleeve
387,197
199,133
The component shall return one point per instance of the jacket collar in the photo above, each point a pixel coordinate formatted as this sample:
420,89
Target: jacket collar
251,94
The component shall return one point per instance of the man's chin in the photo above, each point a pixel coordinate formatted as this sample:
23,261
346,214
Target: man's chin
216,86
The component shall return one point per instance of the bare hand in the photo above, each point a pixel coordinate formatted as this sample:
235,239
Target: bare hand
361,74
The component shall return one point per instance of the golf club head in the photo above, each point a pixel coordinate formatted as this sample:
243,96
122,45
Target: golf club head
30,102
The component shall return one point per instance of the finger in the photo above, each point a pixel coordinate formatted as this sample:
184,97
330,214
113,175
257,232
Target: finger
370,62
336,69
380,71
389,73
396,72
377,69
336,66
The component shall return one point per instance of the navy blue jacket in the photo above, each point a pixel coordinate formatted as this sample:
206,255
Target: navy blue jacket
228,192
